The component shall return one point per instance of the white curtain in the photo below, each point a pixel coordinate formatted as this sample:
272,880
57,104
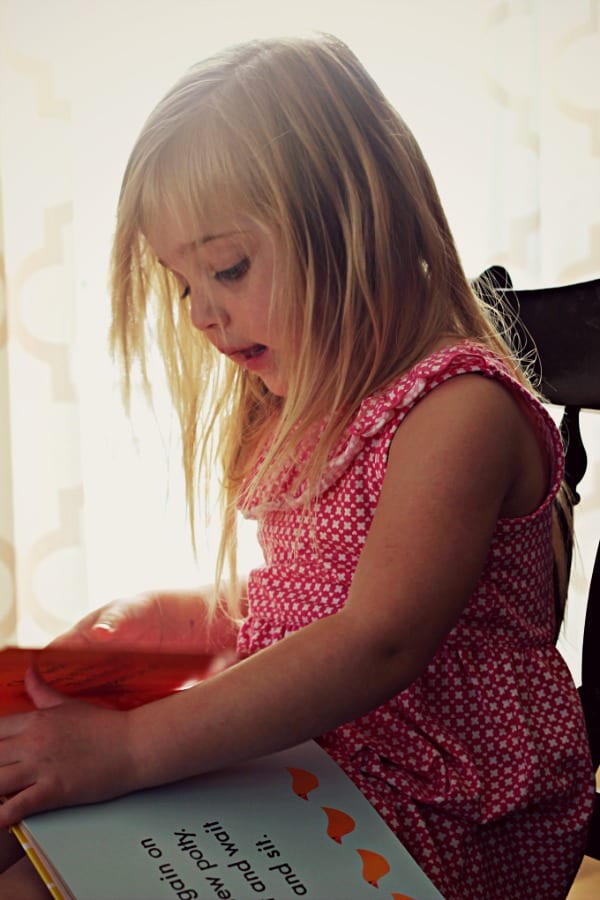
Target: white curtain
504,97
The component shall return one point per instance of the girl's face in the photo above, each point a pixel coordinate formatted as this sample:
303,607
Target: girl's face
225,273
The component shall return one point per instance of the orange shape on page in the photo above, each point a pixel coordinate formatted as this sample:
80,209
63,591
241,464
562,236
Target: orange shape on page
375,866
303,782
338,823
402,897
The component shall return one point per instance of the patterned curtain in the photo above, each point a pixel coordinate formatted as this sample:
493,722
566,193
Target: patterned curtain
41,547
8,613
504,97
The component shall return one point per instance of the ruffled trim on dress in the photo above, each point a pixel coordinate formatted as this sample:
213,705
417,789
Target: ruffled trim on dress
394,402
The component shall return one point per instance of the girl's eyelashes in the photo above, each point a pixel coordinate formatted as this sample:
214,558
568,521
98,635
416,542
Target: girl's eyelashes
234,273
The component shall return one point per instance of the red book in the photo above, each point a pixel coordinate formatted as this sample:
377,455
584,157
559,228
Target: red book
120,679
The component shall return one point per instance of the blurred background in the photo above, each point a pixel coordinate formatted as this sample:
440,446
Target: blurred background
504,97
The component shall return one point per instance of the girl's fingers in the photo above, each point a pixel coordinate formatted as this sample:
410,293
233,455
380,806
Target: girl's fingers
111,620
13,779
121,620
43,695
21,805
99,625
105,630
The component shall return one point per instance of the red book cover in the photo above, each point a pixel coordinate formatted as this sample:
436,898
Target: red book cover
120,679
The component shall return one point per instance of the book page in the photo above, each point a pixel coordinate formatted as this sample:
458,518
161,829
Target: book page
288,825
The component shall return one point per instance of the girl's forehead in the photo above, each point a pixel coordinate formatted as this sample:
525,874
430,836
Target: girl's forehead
173,235
192,224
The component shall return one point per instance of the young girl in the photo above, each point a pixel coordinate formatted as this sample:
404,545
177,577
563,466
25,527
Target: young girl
280,235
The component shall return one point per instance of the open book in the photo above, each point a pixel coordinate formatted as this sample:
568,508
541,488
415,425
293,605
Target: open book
287,825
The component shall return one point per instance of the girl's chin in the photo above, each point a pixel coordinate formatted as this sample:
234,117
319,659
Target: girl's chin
274,382
275,385
263,365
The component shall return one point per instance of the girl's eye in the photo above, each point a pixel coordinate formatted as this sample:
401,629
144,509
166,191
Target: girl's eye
234,273
185,293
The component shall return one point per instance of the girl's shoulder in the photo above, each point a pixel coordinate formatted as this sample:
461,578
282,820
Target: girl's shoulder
399,396
382,412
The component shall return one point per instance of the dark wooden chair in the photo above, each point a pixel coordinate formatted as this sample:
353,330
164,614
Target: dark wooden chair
558,329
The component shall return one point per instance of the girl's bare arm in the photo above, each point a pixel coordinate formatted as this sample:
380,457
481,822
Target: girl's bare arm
464,456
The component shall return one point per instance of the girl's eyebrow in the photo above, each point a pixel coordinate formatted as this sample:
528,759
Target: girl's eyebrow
182,249
207,238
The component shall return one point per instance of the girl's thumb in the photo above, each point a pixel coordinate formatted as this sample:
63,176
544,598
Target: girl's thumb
42,694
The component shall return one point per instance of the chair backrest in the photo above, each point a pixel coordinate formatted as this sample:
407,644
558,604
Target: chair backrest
558,328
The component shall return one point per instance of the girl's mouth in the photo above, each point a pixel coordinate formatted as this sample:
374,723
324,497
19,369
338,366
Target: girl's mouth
251,357
253,352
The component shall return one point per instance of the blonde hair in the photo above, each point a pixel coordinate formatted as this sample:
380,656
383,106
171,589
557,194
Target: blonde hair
296,135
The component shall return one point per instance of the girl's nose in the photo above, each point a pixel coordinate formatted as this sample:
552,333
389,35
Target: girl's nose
205,311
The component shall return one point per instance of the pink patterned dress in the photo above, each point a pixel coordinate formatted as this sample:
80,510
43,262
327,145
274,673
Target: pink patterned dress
481,766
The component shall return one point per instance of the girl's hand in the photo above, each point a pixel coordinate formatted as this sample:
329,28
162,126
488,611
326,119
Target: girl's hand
63,754
177,621
144,621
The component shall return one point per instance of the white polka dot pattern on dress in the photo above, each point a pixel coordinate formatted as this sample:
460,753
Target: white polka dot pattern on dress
481,766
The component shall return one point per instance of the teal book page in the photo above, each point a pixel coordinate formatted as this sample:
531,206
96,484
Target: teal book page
287,825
